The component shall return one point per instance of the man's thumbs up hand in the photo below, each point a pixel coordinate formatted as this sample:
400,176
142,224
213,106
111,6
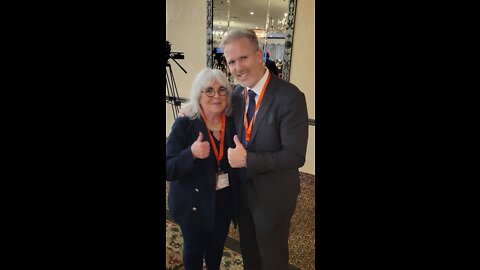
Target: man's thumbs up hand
237,142
237,157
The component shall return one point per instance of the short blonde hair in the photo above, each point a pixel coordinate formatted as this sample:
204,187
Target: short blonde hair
240,33
202,81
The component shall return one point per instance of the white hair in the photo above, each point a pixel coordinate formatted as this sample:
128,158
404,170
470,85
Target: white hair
202,81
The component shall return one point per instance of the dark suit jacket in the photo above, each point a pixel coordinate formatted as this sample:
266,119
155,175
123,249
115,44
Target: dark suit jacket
192,182
270,64
278,142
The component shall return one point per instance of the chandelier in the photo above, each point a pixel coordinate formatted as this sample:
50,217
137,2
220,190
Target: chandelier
218,35
278,26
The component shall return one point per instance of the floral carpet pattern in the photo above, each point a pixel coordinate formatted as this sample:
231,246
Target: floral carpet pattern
231,259
301,241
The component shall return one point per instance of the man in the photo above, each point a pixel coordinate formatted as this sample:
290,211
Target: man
272,127
270,64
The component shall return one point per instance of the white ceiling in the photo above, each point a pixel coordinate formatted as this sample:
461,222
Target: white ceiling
240,13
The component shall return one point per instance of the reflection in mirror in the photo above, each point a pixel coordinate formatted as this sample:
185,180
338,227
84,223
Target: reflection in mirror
272,20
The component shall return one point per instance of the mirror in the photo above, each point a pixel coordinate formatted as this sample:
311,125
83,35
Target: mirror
272,20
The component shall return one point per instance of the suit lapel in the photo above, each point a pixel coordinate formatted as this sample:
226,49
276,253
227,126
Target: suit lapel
264,107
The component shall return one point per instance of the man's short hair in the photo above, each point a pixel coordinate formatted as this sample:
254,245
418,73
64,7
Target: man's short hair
236,34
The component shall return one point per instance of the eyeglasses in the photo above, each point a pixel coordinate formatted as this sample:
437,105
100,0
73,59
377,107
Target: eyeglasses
210,92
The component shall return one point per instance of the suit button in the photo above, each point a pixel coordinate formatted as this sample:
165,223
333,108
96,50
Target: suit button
194,209
196,190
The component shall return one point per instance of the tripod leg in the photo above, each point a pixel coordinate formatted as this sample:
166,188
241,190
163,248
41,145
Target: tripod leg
172,98
176,102
170,94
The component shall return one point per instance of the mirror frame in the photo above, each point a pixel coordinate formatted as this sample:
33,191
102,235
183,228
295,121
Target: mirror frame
209,33
289,29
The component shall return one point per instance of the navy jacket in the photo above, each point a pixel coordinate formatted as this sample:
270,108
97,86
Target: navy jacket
191,198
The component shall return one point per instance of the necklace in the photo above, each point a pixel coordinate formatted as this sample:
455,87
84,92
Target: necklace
217,127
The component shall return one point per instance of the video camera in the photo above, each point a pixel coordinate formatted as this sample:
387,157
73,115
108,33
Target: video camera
169,54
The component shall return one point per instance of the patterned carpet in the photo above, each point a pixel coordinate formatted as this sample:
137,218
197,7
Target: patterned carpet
301,242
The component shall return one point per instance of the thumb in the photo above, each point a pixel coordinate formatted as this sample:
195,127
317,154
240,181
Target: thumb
237,141
200,137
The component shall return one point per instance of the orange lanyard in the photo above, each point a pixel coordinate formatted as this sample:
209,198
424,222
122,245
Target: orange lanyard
248,126
218,155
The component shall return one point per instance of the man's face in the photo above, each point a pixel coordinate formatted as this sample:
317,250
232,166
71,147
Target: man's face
245,61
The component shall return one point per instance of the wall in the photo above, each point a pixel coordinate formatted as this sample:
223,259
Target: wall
302,71
187,31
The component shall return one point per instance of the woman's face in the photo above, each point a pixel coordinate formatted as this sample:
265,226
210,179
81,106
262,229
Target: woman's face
217,103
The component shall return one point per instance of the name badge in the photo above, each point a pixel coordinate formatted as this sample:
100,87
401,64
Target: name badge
222,180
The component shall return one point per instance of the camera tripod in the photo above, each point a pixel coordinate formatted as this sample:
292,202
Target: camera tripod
172,92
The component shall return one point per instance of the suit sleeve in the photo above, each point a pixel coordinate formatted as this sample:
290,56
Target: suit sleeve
293,127
179,158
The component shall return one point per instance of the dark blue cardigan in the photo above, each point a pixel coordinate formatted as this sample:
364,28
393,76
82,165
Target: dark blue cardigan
192,182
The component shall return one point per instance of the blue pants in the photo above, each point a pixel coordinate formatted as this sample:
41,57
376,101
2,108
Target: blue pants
199,244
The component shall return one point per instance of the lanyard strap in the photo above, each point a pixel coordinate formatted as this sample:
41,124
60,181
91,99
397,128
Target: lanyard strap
218,154
248,126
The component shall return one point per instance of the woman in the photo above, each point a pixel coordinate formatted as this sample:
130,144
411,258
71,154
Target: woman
203,186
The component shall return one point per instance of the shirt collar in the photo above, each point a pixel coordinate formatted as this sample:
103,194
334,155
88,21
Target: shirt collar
259,86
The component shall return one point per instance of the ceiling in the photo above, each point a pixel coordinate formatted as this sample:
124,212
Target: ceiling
240,16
